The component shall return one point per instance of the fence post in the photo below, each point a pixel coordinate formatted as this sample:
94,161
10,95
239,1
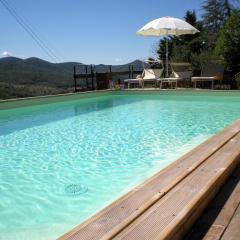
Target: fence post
132,72
75,79
110,85
86,71
92,76
129,71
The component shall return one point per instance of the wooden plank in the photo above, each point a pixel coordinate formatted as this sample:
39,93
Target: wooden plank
111,220
215,219
215,232
233,230
175,211
229,209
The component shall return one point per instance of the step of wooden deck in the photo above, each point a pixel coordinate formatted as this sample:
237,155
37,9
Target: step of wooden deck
218,220
233,230
167,204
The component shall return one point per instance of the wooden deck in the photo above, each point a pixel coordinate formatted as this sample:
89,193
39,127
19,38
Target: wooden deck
167,205
221,219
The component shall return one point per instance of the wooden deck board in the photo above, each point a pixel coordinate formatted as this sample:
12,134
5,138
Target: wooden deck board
233,230
165,219
216,218
119,218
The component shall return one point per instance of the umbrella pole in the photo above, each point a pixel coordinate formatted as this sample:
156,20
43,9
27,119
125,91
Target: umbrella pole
167,57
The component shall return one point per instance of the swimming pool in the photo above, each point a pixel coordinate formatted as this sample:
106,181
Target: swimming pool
62,162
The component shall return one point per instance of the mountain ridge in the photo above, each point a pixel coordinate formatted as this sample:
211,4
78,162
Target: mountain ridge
34,76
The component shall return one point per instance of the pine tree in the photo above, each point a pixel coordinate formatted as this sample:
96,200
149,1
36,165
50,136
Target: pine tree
216,13
228,8
191,17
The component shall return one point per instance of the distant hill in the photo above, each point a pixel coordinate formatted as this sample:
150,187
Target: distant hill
34,76
35,71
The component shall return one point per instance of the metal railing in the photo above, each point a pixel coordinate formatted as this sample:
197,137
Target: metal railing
237,76
85,76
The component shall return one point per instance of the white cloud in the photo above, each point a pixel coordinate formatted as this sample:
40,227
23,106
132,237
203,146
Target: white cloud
118,60
7,54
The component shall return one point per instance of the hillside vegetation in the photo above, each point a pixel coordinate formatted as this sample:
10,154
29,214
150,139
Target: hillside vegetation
35,77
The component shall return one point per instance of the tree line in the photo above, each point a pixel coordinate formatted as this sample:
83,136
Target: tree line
218,39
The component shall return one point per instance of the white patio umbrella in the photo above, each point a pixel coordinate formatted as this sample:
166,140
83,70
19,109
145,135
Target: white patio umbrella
166,26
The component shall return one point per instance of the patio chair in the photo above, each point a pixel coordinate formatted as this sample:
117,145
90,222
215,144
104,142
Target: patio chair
173,79
210,73
134,81
149,75
180,72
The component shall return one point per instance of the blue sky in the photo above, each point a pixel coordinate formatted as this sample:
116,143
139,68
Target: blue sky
96,31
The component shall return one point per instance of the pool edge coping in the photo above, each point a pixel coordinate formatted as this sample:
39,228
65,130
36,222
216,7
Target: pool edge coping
113,90
48,99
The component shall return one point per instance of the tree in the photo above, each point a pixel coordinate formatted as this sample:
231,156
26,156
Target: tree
227,8
184,48
180,42
216,13
193,43
161,51
191,18
228,42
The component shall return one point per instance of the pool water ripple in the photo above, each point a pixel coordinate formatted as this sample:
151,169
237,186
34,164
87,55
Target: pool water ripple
60,163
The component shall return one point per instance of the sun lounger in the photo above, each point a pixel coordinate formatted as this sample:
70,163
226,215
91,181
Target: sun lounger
210,73
148,76
180,72
173,79
133,81
151,76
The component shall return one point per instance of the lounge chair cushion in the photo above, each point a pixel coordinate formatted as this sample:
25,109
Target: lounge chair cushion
139,77
203,78
152,73
174,75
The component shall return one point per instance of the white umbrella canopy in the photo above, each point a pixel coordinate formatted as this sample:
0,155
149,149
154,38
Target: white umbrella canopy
166,26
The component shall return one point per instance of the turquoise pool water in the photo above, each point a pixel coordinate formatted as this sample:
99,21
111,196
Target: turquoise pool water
62,162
